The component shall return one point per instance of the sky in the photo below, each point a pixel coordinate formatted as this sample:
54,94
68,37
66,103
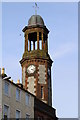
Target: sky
62,21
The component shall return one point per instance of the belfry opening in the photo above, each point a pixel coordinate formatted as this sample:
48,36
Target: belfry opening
35,41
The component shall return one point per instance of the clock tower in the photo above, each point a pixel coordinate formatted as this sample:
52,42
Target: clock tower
36,62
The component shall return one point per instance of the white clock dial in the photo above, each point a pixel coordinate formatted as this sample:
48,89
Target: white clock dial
31,69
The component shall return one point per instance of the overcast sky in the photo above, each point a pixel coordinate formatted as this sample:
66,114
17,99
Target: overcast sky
62,21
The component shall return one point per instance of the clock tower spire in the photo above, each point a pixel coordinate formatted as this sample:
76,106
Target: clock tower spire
36,62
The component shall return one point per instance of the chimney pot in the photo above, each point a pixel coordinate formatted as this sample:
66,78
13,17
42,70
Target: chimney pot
11,80
18,81
3,70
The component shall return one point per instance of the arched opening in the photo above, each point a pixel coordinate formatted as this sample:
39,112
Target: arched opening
35,45
32,40
42,92
31,45
40,41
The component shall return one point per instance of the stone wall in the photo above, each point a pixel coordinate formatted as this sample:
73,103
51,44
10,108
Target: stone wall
18,105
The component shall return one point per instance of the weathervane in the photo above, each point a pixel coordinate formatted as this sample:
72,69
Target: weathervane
35,8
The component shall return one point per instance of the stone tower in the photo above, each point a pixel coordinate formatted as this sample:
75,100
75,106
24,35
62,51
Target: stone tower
36,62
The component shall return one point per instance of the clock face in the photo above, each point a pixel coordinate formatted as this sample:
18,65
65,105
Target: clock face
31,69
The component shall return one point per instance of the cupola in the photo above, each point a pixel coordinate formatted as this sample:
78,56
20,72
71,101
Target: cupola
36,20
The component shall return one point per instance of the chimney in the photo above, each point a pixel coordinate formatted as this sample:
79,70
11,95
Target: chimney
3,70
18,81
3,73
19,84
11,80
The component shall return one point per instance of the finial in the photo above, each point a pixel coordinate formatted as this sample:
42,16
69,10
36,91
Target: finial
35,8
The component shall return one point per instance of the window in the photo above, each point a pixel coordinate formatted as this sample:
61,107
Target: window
42,93
35,45
17,94
27,117
28,45
6,110
31,45
17,114
6,88
27,99
40,43
40,118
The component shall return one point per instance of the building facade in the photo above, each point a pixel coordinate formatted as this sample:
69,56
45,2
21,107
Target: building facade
15,101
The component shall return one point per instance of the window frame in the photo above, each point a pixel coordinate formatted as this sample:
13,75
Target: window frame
42,92
27,115
19,96
8,110
28,104
8,88
20,113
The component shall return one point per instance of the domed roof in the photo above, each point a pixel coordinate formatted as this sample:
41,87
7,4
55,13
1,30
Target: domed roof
35,20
